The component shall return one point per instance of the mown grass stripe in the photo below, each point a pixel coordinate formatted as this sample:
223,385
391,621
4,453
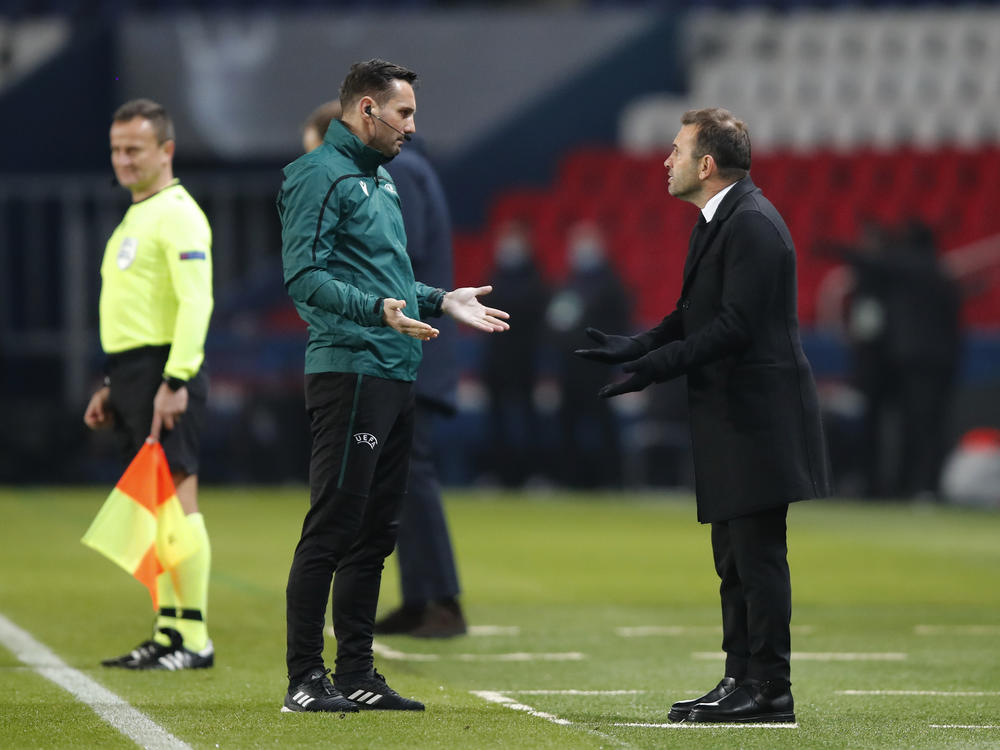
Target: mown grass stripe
956,629
696,725
114,710
645,631
959,693
964,726
575,692
388,652
818,656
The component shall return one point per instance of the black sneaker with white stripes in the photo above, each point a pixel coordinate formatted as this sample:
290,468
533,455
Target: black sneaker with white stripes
154,655
184,658
316,693
371,692
146,652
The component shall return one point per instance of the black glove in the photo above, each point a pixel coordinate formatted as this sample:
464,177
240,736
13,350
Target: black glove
613,349
642,375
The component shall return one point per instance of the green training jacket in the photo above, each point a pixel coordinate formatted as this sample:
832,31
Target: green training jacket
343,250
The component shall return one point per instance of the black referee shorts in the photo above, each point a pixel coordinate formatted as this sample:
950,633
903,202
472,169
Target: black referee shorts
136,375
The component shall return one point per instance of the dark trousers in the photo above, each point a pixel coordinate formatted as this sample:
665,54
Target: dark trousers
362,429
751,558
925,393
426,561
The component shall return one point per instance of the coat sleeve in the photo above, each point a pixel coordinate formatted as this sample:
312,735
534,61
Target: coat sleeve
429,300
669,329
753,264
308,207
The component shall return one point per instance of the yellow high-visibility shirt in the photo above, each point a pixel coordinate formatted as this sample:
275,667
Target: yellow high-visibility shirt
157,280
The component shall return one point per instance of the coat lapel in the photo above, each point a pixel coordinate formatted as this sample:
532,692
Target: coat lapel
704,233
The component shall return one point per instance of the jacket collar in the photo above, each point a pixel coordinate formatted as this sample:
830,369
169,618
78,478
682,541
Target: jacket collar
341,138
740,188
705,232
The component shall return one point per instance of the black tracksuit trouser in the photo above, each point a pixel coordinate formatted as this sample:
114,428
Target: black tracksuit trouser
362,430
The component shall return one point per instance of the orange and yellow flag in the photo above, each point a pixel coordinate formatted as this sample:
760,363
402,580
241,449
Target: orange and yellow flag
142,526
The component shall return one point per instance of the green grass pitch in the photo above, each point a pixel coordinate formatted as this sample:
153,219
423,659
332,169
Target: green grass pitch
610,592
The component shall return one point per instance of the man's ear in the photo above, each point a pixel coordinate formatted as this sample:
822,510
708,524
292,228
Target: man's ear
706,166
168,148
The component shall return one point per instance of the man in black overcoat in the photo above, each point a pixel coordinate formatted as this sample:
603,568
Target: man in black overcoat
755,425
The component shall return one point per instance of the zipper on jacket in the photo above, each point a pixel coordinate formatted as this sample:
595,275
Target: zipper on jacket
322,208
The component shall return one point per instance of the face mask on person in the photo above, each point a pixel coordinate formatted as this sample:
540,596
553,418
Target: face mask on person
512,251
586,254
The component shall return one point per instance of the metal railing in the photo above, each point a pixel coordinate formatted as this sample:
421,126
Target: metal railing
53,231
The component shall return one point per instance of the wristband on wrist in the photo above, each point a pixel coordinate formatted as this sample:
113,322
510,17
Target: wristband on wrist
174,384
439,302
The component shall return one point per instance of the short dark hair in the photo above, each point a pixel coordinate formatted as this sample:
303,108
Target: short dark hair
163,126
372,78
723,137
321,117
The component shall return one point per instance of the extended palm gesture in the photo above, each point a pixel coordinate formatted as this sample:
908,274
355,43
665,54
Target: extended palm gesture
393,316
463,305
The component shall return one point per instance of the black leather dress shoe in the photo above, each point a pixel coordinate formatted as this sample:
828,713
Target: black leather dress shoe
680,710
752,701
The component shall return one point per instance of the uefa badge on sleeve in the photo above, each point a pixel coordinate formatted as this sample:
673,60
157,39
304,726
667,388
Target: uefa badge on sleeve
127,252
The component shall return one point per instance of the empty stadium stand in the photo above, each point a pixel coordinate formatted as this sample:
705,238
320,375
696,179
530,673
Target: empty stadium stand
823,195
881,113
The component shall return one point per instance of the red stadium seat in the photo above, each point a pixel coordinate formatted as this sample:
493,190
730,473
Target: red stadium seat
824,196
473,258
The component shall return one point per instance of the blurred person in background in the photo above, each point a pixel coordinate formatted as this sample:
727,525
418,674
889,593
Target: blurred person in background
511,362
904,333
971,472
427,571
345,267
923,344
589,445
317,123
155,306
866,328
755,420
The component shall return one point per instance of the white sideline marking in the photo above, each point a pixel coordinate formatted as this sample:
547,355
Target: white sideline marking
485,630
644,631
387,652
504,699
958,693
495,697
817,656
698,725
956,629
114,710
964,726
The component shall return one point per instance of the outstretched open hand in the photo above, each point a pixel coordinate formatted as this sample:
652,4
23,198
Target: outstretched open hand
463,305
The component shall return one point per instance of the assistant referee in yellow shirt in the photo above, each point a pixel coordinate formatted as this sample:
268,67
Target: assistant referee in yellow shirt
156,301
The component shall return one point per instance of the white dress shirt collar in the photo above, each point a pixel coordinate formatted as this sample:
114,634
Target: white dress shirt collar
713,203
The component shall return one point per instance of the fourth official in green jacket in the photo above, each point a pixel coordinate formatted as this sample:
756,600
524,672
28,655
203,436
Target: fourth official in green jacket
344,251
347,270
